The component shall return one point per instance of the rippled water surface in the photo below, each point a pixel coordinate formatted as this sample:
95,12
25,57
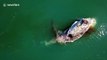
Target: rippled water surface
26,31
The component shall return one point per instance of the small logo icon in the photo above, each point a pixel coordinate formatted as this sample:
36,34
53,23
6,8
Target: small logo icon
11,5
4,5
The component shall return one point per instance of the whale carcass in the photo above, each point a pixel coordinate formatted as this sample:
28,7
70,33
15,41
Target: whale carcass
76,31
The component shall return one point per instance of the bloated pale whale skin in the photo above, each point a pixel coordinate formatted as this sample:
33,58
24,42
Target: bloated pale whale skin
76,31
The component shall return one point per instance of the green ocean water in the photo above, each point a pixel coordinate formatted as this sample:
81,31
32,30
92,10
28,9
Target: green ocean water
25,30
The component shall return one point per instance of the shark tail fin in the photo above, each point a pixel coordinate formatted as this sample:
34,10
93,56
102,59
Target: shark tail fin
54,28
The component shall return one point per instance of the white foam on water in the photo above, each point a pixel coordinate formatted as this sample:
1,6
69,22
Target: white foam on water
100,32
98,36
48,43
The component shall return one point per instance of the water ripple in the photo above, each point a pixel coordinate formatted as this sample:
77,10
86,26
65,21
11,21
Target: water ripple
100,33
